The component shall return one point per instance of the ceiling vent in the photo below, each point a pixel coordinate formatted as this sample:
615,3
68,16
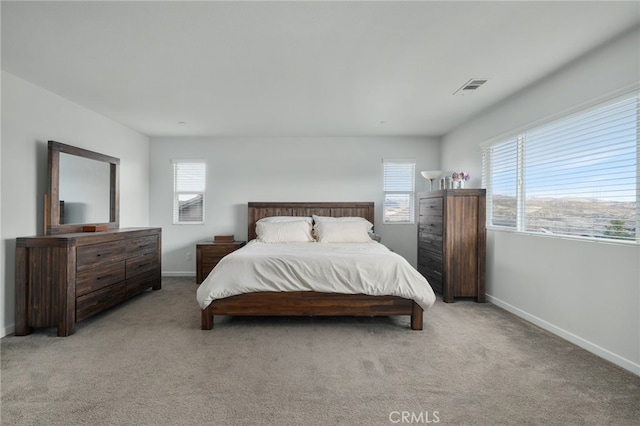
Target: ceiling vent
470,86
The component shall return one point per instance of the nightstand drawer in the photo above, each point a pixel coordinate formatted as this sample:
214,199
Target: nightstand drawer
218,250
209,262
206,268
208,254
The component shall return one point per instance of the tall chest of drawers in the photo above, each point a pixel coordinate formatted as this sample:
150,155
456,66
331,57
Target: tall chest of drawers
66,278
452,242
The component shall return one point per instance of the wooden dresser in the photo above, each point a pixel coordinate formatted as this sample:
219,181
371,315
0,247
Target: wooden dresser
63,279
209,253
452,242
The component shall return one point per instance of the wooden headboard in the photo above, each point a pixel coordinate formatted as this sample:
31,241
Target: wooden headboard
258,210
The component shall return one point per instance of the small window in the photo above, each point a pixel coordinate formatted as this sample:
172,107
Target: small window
189,177
399,191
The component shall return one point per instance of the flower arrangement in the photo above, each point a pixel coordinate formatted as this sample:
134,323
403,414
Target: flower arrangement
460,176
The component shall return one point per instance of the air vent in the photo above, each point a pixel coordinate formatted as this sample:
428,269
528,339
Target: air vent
470,86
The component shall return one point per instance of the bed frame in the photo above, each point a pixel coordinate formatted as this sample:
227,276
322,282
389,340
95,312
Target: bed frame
310,303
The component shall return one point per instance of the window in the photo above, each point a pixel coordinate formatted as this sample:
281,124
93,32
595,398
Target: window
189,178
399,188
576,176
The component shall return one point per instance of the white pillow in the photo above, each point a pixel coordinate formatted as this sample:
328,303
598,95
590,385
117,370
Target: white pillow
321,219
286,219
284,232
343,232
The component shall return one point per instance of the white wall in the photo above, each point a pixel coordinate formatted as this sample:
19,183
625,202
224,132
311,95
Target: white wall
279,169
30,117
589,293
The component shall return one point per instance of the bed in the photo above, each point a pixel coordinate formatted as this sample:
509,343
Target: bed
216,294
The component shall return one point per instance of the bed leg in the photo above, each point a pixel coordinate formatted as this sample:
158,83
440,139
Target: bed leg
416,317
207,319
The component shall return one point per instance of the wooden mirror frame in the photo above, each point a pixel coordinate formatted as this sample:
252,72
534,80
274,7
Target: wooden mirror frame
52,223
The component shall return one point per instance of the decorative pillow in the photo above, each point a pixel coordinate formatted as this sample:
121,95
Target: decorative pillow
343,232
321,219
284,232
286,219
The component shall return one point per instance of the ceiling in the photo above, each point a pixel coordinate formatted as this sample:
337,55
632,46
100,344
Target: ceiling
315,68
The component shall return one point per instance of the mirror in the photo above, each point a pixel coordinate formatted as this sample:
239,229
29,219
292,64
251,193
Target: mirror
83,189
84,200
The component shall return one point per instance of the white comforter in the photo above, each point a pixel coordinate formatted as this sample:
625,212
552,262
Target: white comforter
351,268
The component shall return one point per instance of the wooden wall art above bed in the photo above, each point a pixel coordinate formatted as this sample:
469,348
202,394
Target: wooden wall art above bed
310,303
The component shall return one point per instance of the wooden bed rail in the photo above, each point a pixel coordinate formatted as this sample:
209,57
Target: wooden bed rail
310,303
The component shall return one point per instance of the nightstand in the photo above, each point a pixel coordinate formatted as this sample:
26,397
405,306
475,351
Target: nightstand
208,254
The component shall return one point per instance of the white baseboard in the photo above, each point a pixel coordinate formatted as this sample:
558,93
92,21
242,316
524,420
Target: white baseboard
8,330
577,340
179,274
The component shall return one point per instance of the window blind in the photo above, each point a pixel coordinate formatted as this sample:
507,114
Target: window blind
583,170
501,166
399,191
575,176
189,177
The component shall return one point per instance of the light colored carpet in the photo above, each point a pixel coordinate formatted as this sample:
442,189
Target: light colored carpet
147,362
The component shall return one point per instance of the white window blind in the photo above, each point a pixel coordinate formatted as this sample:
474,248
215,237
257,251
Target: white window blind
399,191
501,164
189,177
575,176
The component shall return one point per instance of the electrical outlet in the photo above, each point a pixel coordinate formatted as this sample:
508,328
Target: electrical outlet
188,256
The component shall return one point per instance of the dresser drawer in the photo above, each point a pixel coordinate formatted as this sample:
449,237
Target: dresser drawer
142,245
88,257
431,226
141,264
431,207
99,276
434,278
99,300
431,257
430,242
431,261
